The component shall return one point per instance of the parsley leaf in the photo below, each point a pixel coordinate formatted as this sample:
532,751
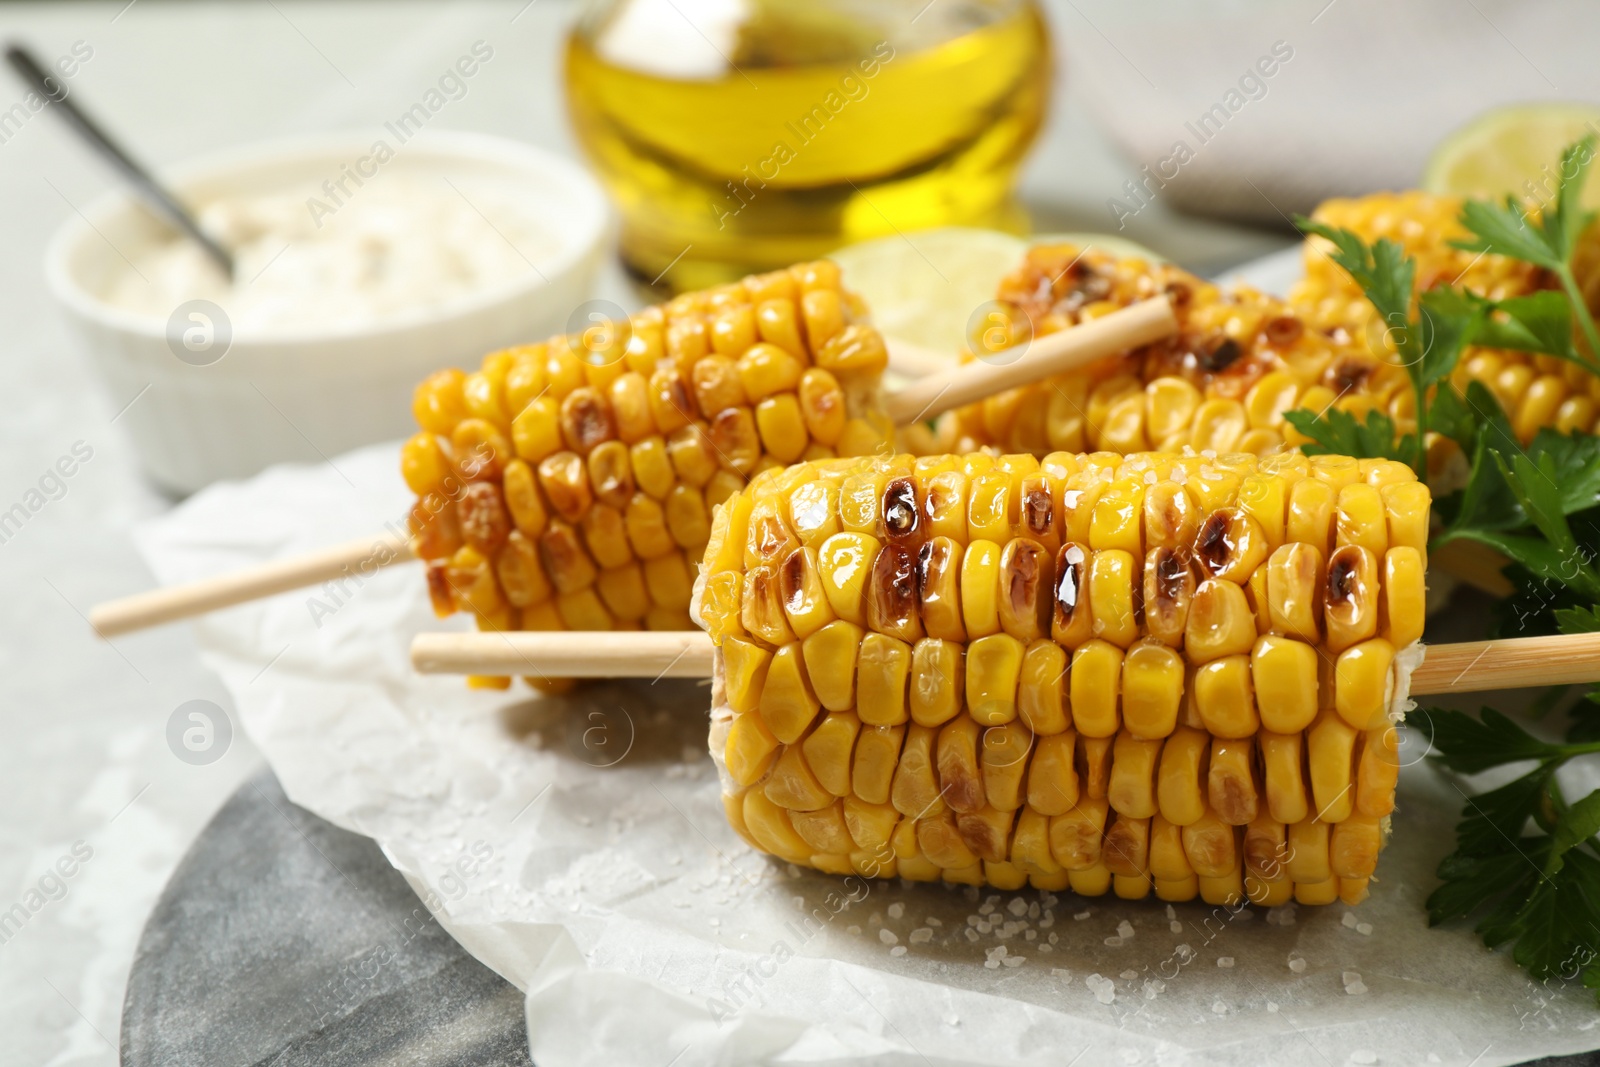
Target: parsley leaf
1338,433
1471,746
1538,322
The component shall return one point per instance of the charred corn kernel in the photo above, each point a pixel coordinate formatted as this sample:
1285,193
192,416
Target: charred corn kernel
1232,790
521,576
1094,765
1076,837
804,600
937,682
989,508
1042,689
1026,581
1168,591
606,537
1351,600
1180,777
686,517
434,528
1095,682
939,589
945,506
481,513
1284,672
480,450
1152,689
1001,753
855,350
959,780
1211,847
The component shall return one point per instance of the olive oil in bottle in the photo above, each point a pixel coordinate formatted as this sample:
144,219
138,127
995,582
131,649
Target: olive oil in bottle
743,135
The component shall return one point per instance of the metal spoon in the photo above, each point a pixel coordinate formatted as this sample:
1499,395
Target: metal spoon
159,200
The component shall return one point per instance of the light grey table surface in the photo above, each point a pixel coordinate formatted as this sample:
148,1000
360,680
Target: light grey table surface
83,749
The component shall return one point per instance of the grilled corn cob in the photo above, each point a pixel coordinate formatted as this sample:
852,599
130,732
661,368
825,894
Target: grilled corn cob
570,484
1147,674
1534,390
1239,361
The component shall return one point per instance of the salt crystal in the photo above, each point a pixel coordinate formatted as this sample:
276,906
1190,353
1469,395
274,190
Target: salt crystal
931,921
896,910
921,936
887,937
1054,938
1224,961
1349,920
1017,907
1175,926
1172,912
993,965
898,950
1364,928
1045,948
1219,1008
987,909
1030,935
1297,965
1124,929
1129,975
1082,915
1272,1005
1060,972
1014,961
1114,941
973,920
1363,1055
852,929
1353,984
1282,915
1033,910
972,935
1104,989
799,901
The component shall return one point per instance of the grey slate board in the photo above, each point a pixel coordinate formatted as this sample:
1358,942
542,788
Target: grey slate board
282,939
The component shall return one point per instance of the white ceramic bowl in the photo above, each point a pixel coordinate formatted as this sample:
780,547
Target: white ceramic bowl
307,396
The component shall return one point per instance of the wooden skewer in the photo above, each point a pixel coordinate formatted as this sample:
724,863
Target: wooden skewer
1130,327
359,557
1470,667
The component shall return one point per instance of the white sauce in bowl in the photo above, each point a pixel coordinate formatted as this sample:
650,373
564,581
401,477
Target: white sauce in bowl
306,261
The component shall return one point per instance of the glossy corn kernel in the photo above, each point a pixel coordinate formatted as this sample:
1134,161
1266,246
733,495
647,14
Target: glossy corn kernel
609,468
1115,674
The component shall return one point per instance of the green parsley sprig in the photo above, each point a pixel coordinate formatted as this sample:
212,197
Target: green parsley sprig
1526,861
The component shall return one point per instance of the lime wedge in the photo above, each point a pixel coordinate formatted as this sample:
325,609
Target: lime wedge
1514,150
923,287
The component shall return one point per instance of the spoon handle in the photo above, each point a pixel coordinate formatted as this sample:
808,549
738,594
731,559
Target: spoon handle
158,198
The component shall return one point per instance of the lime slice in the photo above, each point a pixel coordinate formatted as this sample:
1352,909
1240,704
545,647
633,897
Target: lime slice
923,287
1504,150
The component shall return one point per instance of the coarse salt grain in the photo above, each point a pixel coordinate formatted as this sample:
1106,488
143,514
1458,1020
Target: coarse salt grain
896,910
1125,929
898,950
1082,915
1349,920
887,937
1017,907
1297,965
920,936
1364,928
1224,961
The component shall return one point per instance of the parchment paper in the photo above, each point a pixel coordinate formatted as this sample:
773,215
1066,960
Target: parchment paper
577,846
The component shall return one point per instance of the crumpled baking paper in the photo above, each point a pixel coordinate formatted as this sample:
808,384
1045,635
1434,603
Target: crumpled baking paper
577,846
